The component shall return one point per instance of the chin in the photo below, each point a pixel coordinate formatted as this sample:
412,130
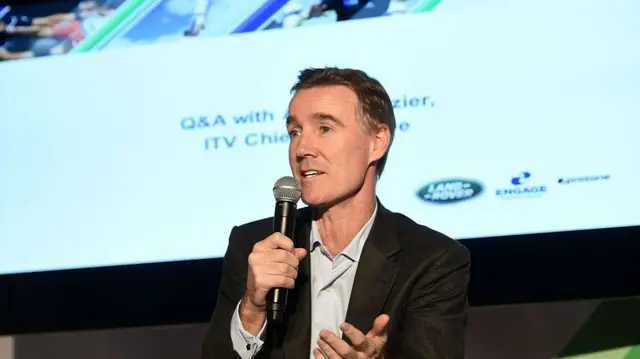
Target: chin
312,201
322,200
316,199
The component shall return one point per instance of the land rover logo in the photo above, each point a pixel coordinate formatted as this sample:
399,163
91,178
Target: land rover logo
450,190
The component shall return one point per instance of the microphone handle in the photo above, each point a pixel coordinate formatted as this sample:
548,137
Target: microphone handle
284,221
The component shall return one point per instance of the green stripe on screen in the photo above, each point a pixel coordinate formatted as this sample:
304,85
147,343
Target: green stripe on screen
634,353
618,353
126,10
425,6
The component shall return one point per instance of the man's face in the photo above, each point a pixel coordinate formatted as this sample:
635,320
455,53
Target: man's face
327,137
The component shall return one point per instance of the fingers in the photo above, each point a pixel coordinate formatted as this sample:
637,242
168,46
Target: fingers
279,256
380,326
279,269
278,281
334,347
357,338
370,345
276,261
273,254
291,258
328,351
300,253
274,241
317,354
269,274
279,241
273,263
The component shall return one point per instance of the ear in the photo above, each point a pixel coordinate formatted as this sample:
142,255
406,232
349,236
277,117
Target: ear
380,140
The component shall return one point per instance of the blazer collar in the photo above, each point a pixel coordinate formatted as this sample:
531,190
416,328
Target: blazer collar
376,272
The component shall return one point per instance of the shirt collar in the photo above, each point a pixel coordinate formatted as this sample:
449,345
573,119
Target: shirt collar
354,249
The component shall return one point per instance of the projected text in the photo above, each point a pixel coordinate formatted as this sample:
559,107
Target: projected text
271,135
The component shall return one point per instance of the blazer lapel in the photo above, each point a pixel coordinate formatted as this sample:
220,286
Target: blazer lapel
297,339
376,273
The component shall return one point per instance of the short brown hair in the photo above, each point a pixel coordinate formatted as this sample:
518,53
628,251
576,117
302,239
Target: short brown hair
375,105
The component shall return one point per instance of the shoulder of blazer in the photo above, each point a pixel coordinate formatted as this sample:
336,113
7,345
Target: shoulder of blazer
418,238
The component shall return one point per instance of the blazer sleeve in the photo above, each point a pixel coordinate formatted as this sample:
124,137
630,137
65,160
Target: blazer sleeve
435,320
217,342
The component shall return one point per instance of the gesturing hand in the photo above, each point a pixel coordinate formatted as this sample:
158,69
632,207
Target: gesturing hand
364,346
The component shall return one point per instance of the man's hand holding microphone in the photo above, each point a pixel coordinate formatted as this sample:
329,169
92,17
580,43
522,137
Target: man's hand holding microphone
273,263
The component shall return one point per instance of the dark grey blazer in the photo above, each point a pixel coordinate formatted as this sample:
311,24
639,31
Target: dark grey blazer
418,276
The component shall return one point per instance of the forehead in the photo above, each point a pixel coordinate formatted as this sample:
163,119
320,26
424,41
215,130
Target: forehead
340,101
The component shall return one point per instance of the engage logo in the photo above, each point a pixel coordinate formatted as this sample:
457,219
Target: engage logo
522,186
450,190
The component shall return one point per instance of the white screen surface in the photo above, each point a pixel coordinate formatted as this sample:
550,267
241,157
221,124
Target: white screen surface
525,111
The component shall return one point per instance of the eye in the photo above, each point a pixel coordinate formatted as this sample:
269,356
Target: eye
293,133
324,129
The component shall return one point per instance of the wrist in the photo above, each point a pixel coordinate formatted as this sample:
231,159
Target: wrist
252,316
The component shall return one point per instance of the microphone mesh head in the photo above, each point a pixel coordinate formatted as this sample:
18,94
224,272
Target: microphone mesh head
287,189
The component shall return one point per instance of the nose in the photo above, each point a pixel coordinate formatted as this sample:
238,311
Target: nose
306,146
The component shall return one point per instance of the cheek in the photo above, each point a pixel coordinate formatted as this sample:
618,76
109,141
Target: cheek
353,158
292,152
293,163
361,151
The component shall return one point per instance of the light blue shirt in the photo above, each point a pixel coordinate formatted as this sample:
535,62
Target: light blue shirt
331,284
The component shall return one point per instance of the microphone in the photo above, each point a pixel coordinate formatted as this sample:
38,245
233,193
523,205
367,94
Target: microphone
287,192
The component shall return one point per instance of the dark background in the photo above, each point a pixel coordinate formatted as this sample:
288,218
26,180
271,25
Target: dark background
587,264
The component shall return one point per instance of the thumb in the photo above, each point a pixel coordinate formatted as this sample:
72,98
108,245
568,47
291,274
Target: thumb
300,253
380,326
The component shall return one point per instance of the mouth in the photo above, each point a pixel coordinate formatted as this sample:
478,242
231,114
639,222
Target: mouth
308,174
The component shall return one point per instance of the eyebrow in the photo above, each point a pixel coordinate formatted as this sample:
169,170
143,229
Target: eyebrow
292,120
326,117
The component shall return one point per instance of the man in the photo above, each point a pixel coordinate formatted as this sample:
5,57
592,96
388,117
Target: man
364,282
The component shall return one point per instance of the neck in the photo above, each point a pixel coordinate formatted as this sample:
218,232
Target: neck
339,223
